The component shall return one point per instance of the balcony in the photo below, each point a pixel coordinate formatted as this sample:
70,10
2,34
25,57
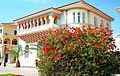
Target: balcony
37,29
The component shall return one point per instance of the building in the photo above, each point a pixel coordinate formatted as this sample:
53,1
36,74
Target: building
8,39
30,28
117,42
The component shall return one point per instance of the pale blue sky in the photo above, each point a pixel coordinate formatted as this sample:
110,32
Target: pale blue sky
14,9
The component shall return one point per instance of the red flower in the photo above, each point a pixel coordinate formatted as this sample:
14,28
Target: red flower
53,48
49,58
101,25
46,42
67,36
45,49
92,43
98,45
78,29
89,28
83,27
111,31
59,56
105,41
69,45
107,28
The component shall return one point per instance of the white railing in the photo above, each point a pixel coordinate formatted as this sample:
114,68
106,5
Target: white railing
36,29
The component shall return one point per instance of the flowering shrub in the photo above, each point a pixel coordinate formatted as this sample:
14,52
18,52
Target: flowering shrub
85,51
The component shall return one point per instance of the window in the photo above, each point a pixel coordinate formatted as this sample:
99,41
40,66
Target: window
108,24
74,17
7,41
15,32
0,30
6,34
14,41
95,21
26,51
83,17
79,17
55,21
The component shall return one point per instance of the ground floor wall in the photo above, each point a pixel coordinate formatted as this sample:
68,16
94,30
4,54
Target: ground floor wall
29,58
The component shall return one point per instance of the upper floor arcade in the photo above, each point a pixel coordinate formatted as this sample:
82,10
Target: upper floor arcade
42,20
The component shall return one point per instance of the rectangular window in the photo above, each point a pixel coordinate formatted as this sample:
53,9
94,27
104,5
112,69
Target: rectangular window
15,32
0,30
79,17
74,17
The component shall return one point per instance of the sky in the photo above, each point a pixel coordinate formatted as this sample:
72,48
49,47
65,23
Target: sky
14,9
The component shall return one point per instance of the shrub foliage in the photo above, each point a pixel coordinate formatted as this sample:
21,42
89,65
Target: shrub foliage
85,51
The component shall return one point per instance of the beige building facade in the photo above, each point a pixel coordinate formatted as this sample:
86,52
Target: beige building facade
8,40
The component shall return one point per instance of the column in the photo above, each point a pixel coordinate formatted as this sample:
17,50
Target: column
37,22
41,21
45,20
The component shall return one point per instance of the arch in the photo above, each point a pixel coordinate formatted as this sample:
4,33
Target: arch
14,41
7,41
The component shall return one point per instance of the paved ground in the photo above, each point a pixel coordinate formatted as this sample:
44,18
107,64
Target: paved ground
26,71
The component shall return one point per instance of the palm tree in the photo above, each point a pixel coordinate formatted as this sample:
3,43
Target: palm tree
18,53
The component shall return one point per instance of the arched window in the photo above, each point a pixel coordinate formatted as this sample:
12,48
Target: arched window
35,22
7,41
28,25
55,21
43,21
48,21
14,41
95,21
108,24
83,17
39,23
26,51
78,17
73,17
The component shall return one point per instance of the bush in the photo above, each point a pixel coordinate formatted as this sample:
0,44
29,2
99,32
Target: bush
85,51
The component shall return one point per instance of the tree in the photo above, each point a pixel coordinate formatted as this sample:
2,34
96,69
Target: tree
18,53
